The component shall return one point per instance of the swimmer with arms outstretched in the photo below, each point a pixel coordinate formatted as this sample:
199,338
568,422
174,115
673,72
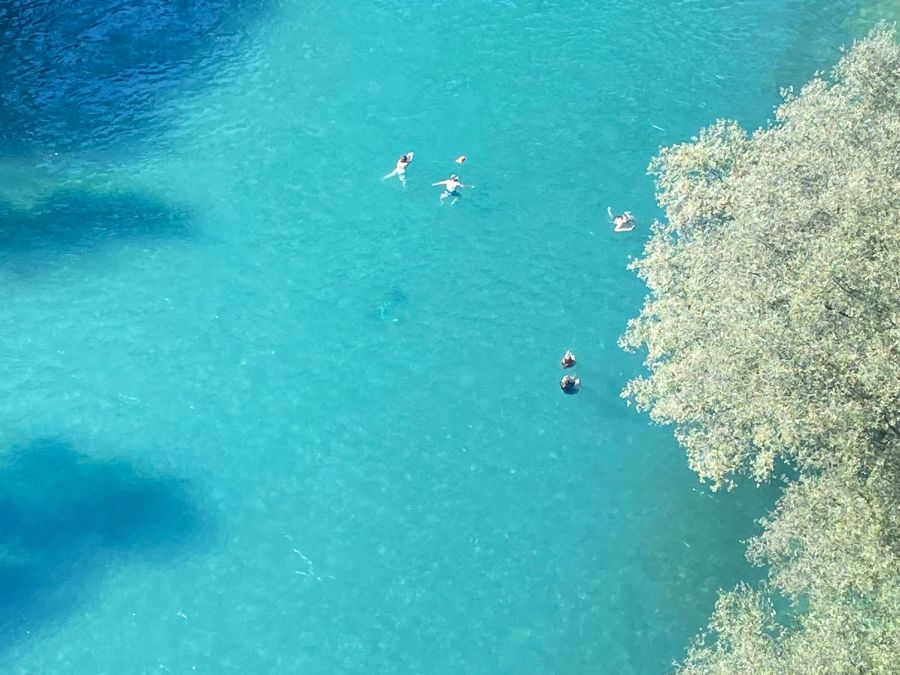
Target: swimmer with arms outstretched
623,223
451,188
400,169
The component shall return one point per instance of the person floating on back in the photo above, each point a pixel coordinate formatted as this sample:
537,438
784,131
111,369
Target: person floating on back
623,223
568,360
451,188
400,169
569,384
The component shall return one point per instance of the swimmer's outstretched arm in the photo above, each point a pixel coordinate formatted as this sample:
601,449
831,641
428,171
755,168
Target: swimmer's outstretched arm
440,182
609,211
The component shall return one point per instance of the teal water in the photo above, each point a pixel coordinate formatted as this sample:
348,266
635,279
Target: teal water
266,413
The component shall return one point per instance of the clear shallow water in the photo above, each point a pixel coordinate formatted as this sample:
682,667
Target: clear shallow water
265,413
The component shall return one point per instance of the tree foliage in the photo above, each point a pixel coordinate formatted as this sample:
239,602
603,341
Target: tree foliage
773,323
831,547
772,332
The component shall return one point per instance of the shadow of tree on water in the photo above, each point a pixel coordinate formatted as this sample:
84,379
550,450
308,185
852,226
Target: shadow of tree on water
65,517
74,221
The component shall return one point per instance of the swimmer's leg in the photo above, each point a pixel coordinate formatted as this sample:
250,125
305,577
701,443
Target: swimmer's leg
392,173
403,180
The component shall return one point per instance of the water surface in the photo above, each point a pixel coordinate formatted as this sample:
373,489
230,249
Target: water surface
266,413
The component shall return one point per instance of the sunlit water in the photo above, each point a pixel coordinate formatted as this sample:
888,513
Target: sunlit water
263,412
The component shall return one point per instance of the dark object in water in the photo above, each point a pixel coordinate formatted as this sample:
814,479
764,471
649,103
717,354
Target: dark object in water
569,384
568,360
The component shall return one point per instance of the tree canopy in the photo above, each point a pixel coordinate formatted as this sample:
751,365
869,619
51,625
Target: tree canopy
772,332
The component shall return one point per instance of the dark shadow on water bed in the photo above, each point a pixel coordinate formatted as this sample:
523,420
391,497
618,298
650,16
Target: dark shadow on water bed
73,221
83,75
65,517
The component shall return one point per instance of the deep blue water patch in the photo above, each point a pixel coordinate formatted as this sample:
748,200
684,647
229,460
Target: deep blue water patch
80,75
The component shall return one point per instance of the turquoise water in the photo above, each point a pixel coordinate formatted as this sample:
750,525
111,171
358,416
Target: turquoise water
266,413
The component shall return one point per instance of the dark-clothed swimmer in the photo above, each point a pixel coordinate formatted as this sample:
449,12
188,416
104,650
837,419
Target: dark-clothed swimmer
569,384
451,188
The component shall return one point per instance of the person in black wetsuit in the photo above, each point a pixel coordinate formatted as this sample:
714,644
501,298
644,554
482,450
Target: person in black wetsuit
570,384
